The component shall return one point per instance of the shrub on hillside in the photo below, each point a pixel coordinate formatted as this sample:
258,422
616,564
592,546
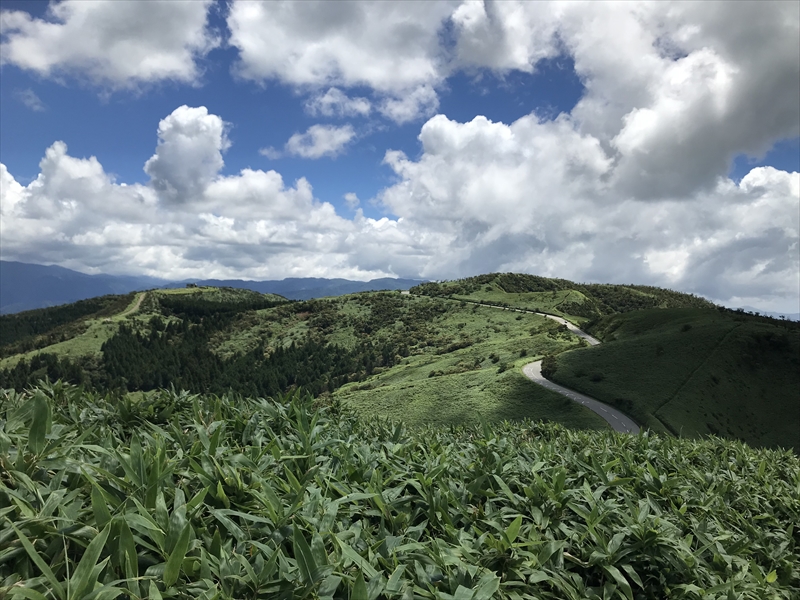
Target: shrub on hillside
549,366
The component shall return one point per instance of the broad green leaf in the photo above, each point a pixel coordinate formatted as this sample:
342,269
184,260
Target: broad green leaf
463,593
105,592
39,562
513,530
633,575
619,578
359,591
487,586
173,566
153,592
101,513
327,588
129,558
772,577
304,558
26,593
83,579
38,428
360,561
395,584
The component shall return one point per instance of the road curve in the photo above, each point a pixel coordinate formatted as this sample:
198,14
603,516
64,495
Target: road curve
618,421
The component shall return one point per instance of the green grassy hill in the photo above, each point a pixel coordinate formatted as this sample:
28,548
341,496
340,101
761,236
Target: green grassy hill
201,497
429,360
432,357
694,372
574,301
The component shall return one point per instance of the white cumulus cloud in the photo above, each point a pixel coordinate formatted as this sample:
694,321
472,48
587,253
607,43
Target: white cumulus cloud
392,48
320,140
535,197
189,153
335,103
116,44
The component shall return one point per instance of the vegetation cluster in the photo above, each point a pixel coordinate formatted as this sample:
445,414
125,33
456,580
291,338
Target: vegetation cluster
591,300
39,328
186,496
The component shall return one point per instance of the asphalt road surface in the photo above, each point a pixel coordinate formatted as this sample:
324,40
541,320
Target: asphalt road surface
618,421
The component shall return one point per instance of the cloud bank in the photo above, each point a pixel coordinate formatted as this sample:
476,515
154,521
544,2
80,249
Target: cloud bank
531,196
630,186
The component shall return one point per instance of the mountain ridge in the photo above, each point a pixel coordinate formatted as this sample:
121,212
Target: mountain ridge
28,286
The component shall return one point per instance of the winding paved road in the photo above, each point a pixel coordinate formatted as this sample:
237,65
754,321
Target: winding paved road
619,421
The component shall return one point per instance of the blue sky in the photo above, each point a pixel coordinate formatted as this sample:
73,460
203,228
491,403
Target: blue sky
643,143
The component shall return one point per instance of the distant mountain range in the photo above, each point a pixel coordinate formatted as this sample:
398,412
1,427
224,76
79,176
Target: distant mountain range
25,286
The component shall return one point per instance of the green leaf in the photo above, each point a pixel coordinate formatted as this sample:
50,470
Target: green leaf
304,558
616,542
39,562
513,530
128,558
26,593
487,586
83,579
617,575
101,513
38,428
633,575
173,566
360,561
463,593
359,588
153,593
329,586
106,592
395,581
772,576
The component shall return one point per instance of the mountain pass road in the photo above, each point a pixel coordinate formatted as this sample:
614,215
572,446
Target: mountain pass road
618,421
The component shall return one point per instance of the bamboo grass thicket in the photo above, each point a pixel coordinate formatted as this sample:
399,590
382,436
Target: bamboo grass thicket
186,496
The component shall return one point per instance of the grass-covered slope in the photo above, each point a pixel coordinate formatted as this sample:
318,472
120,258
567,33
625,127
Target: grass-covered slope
207,497
577,301
429,360
694,372
471,370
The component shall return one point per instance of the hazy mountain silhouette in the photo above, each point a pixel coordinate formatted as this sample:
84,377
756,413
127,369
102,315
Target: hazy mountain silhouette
25,286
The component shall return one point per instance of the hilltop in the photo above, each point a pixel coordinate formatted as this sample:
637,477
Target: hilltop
444,354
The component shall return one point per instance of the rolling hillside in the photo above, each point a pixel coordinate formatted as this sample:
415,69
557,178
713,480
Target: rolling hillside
694,372
445,354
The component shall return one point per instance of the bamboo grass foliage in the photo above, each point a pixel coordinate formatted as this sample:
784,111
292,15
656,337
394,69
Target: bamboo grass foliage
182,496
